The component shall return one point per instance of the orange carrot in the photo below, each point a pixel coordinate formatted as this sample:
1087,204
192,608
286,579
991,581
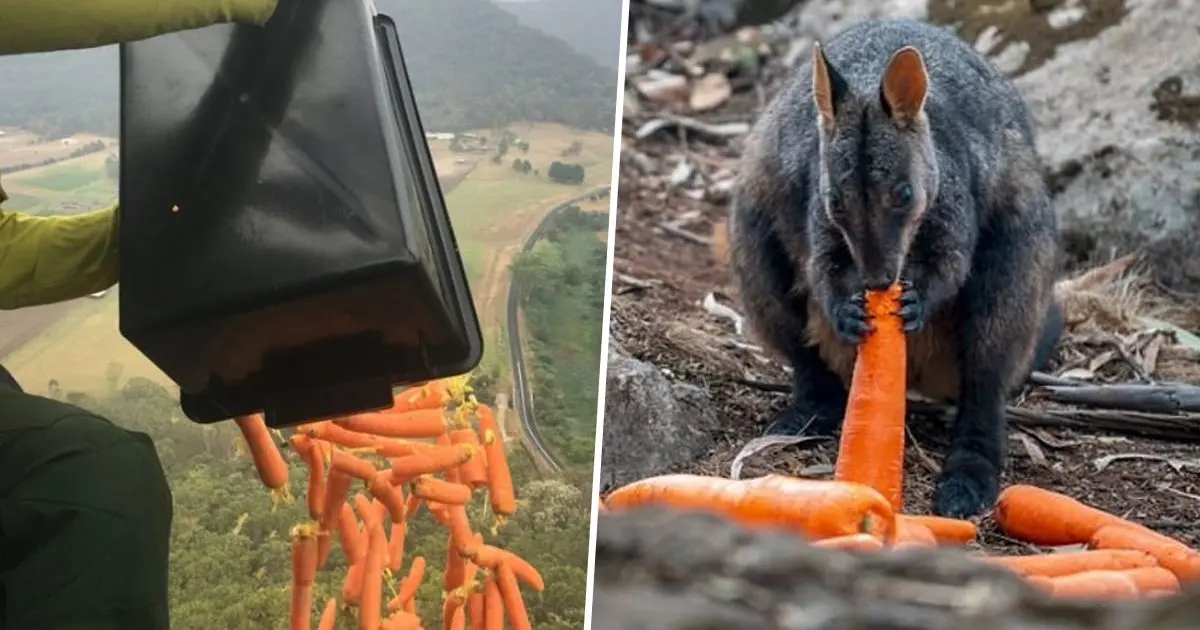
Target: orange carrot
486,556
268,461
372,577
401,620
871,450
1043,517
353,582
493,606
329,616
428,462
390,496
334,434
396,545
475,615
439,512
911,533
311,452
500,484
423,423
852,542
453,615
353,465
947,531
337,489
409,585
514,605
1094,585
461,536
1158,594
304,572
412,505
1059,564
444,442
428,397
456,566
1170,554
433,489
352,538
1153,579
814,508
474,471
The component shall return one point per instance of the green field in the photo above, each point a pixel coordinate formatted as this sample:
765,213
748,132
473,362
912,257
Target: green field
66,187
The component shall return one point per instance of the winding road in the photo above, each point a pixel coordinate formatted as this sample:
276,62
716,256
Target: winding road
522,400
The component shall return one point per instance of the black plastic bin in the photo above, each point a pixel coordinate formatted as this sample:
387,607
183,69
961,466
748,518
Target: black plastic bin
284,242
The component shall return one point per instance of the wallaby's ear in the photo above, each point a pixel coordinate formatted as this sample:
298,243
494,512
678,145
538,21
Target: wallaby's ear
905,84
828,86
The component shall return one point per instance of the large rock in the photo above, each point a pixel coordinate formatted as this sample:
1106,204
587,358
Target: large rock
650,423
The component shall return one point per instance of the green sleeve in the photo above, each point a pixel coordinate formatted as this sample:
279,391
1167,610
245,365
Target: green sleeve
45,25
52,259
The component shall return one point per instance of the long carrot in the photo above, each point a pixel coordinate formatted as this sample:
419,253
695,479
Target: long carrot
401,620
304,573
852,542
396,540
369,612
409,585
429,462
424,423
911,533
500,485
1059,564
1150,579
306,447
431,488
871,450
947,531
453,615
353,582
493,605
461,536
353,465
1094,585
456,566
475,609
1171,554
451,474
814,508
329,615
1044,517
337,490
474,471
390,496
353,544
268,461
428,397
514,605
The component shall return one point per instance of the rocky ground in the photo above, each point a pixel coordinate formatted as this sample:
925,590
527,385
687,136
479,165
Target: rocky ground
1115,87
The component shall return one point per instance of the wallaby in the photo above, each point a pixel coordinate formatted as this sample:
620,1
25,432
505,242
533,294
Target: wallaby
898,153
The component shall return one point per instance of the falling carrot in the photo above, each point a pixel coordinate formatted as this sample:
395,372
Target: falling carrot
871,450
500,485
510,592
268,461
372,577
461,536
329,616
456,566
304,573
475,609
429,462
444,442
409,585
814,508
947,531
428,397
431,488
412,505
353,582
424,423
1059,564
396,545
353,465
352,538
493,605
1171,554
453,615
390,496
852,542
310,452
474,471
911,533
337,489
1044,517
401,620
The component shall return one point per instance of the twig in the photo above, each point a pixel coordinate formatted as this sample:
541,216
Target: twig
1042,378
635,284
1160,398
685,234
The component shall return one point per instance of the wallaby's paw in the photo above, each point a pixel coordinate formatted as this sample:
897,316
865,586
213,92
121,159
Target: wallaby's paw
796,421
851,320
968,486
912,307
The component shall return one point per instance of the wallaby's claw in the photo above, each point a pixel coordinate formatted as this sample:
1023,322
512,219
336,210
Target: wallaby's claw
851,321
912,307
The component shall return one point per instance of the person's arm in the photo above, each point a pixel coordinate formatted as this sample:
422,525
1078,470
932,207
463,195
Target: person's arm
52,259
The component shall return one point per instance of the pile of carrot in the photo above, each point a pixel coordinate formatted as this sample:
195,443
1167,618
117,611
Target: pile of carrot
442,447
860,509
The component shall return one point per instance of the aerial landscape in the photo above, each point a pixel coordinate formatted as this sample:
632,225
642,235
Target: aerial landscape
517,104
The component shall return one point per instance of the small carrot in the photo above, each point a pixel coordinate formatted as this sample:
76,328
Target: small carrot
1059,564
493,606
409,585
429,462
304,573
514,605
871,450
1044,517
268,461
474,471
353,465
852,542
1170,554
433,489
337,490
329,616
947,531
390,496
372,577
500,485
1094,585
815,508
911,533
423,423
396,545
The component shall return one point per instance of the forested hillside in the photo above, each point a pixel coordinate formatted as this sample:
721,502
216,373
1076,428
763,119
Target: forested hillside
592,27
474,65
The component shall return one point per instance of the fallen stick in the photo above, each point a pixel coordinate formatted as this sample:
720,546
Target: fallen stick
1161,398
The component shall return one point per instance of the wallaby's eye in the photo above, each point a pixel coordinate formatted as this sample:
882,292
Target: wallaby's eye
902,195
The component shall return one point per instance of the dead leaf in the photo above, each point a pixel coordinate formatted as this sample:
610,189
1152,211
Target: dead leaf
680,174
722,130
1078,374
1182,336
1101,360
1050,441
662,87
1032,449
761,444
816,470
1176,464
710,92
1149,360
715,308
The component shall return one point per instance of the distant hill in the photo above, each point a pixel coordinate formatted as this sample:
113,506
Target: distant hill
592,27
474,65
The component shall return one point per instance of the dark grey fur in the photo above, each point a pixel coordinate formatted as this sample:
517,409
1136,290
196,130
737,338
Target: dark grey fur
978,263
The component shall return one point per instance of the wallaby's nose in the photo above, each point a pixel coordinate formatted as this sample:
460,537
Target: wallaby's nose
879,282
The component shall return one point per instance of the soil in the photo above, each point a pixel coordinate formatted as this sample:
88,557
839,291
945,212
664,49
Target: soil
661,279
